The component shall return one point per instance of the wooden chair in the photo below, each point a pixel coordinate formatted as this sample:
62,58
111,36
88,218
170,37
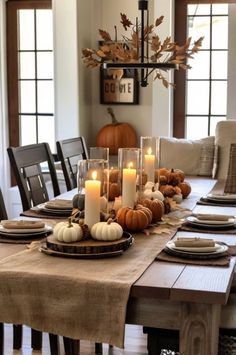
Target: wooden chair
69,151
26,163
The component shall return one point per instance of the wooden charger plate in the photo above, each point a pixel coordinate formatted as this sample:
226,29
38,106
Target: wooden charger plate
87,249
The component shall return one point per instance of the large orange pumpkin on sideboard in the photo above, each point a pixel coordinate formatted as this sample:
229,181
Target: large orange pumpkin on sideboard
116,135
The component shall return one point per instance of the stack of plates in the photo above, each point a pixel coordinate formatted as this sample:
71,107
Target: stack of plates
222,198
211,223
28,233
196,252
56,208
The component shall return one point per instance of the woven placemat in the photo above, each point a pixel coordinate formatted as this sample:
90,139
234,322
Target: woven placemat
221,261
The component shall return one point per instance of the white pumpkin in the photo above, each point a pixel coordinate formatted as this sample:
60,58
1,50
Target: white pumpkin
106,231
149,185
153,194
68,232
178,198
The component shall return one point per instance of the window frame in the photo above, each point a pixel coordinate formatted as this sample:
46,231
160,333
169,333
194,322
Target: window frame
12,62
180,75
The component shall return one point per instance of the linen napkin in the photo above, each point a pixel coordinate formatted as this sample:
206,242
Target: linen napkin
59,204
194,242
22,224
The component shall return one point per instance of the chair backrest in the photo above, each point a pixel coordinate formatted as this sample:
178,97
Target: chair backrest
69,151
3,211
27,165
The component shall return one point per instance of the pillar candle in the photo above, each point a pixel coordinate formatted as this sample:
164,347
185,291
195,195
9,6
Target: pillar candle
92,201
149,165
129,187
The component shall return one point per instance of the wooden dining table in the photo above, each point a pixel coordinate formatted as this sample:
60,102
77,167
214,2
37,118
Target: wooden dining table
179,296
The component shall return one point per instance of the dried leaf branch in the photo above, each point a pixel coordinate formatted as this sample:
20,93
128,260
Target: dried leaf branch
128,50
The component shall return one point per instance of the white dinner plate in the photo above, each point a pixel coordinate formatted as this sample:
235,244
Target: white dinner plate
23,233
201,251
208,222
60,211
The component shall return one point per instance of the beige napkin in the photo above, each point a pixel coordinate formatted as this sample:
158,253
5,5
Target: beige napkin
59,204
194,242
212,217
22,224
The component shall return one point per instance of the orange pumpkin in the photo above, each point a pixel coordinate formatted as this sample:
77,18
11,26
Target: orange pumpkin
185,188
175,177
156,206
116,135
134,219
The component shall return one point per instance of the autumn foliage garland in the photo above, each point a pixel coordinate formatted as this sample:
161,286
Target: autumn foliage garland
128,50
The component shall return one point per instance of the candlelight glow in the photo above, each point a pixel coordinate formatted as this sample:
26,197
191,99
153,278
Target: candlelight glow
94,175
130,165
149,151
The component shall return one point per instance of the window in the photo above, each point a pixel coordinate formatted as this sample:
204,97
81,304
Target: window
202,99
30,72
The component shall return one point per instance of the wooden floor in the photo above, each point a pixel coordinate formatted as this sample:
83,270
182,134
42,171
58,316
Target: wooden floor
135,344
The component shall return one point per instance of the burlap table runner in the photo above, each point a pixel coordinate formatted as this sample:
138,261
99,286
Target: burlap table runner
80,299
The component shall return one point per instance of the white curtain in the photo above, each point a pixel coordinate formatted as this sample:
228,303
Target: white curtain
4,164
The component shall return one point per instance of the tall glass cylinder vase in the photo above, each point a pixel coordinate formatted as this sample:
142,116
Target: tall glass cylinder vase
149,159
92,183
129,168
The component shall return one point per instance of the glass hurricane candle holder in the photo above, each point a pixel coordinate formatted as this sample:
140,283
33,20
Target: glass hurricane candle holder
99,153
149,159
129,169
92,183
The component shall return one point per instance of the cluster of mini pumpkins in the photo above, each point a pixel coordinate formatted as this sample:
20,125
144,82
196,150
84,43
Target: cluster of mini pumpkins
151,206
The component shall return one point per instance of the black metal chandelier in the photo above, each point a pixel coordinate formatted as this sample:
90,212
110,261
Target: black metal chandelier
146,67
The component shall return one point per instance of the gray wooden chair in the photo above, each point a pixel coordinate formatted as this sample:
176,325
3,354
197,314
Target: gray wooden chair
69,151
26,163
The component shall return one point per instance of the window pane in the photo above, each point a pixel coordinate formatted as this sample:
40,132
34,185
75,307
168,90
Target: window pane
196,127
200,28
27,65
213,124
197,97
220,9
26,29
46,131
27,97
199,9
45,65
44,29
219,98
28,130
45,97
219,32
200,66
220,65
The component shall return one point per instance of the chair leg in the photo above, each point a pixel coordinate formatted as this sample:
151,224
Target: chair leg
158,339
17,336
1,338
98,348
36,339
71,346
54,344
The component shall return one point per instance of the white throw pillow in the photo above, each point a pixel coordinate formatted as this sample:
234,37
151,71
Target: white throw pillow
225,135
188,155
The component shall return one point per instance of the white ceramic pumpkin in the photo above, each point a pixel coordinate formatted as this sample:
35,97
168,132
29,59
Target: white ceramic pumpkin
68,232
153,194
106,231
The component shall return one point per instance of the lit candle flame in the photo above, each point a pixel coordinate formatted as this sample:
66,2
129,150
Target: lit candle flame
94,175
130,165
149,151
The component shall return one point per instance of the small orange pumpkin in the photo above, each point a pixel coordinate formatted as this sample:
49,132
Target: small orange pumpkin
116,135
185,188
135,219
167,190
156,206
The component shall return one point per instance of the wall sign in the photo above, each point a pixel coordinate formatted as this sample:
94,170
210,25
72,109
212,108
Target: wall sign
119,91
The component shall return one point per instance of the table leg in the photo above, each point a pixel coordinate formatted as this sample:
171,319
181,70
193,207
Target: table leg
199,329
